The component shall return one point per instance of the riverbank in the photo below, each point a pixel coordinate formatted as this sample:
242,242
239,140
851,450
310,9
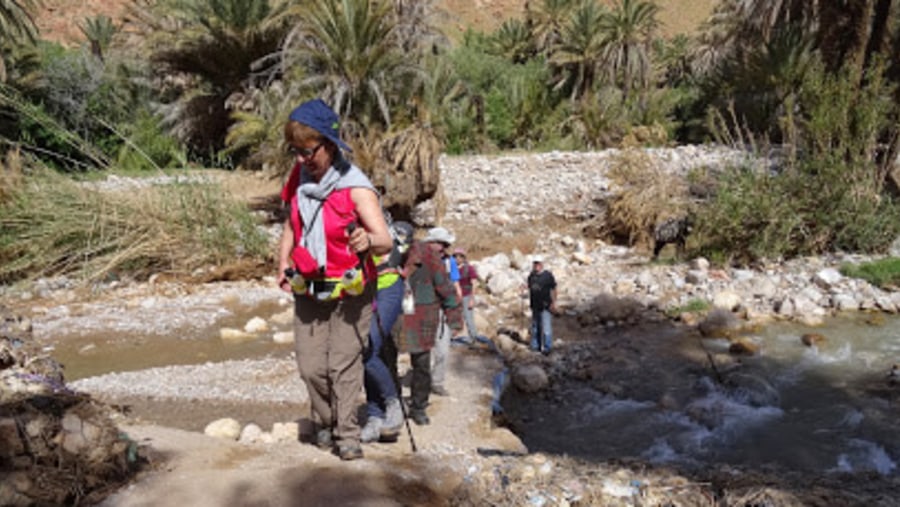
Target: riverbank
622,314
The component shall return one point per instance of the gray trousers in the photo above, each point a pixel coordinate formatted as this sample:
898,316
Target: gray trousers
469,315
440,352
329,337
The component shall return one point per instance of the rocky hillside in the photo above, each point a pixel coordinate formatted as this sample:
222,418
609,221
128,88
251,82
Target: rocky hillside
58,20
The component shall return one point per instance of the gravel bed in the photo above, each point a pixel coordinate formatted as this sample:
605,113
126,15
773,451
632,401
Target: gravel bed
133,310
260,380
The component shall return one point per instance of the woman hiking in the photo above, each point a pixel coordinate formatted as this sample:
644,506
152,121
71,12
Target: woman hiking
334,227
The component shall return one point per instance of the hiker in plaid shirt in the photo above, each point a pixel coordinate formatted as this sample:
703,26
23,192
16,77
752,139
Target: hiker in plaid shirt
432,290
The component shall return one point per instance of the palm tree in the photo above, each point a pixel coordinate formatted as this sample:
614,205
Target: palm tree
16,20
259,130
214,46
16,25
547,21
512,41
99,31
579,50
628,31
351,54
415,32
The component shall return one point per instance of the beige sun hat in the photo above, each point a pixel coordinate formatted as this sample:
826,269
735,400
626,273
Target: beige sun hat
439,235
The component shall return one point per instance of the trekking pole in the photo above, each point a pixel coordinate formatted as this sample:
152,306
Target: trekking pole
360,255
384,337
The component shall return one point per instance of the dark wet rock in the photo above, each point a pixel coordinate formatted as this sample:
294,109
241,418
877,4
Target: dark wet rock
812,339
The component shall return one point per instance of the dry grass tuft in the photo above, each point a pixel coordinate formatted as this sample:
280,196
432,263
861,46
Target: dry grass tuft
52,225
10,174
404,167
646,195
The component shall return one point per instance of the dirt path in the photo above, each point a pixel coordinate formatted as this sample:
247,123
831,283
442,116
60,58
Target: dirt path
188,468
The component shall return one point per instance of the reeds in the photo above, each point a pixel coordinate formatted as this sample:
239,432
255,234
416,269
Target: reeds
646,194
53,225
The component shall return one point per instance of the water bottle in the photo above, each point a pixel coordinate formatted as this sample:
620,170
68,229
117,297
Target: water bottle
298,284
409,302
352,282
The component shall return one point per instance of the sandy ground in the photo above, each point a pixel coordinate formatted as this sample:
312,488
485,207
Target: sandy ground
189,468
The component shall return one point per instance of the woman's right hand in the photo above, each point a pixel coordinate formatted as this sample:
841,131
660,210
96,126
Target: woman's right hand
283,283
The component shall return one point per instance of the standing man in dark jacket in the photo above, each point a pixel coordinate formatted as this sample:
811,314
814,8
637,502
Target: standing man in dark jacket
432,290
542,293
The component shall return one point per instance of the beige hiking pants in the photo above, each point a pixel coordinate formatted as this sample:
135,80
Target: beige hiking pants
329,337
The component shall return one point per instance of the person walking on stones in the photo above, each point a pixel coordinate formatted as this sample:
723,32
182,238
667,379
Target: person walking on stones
431,290
335,224
468,276
385,415
542,295
440,240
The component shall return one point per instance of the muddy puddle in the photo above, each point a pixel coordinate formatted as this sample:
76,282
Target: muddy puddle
117,348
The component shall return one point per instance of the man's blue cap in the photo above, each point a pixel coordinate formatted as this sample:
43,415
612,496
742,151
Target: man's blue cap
317,115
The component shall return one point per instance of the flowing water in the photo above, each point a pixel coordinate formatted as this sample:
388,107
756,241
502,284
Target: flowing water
831,408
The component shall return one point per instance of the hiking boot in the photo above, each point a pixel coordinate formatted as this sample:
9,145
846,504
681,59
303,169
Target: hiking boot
393,416
372,430
350,452
419,417
440,391
323,439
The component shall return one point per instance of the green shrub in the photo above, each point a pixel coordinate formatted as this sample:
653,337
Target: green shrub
828,193
750,217
884,273
146,146
695,305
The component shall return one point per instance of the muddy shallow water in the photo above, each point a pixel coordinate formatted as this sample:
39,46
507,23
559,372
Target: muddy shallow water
108,349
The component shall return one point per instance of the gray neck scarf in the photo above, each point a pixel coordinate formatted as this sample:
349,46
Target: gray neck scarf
311,196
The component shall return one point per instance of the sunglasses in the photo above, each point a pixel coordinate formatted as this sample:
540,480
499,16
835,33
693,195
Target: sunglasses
305,153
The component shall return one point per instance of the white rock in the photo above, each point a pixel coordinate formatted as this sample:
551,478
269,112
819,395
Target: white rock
696,277
700,264
286,432
250,434
283,337
283,318
234,335
503,281
743,275
727,299
764,288
256,325
226,428
582,258
886,303
827,278
844,302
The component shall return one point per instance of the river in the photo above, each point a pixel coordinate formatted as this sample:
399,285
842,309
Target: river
829,408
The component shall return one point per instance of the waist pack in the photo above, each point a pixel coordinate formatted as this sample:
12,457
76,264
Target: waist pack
329,289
